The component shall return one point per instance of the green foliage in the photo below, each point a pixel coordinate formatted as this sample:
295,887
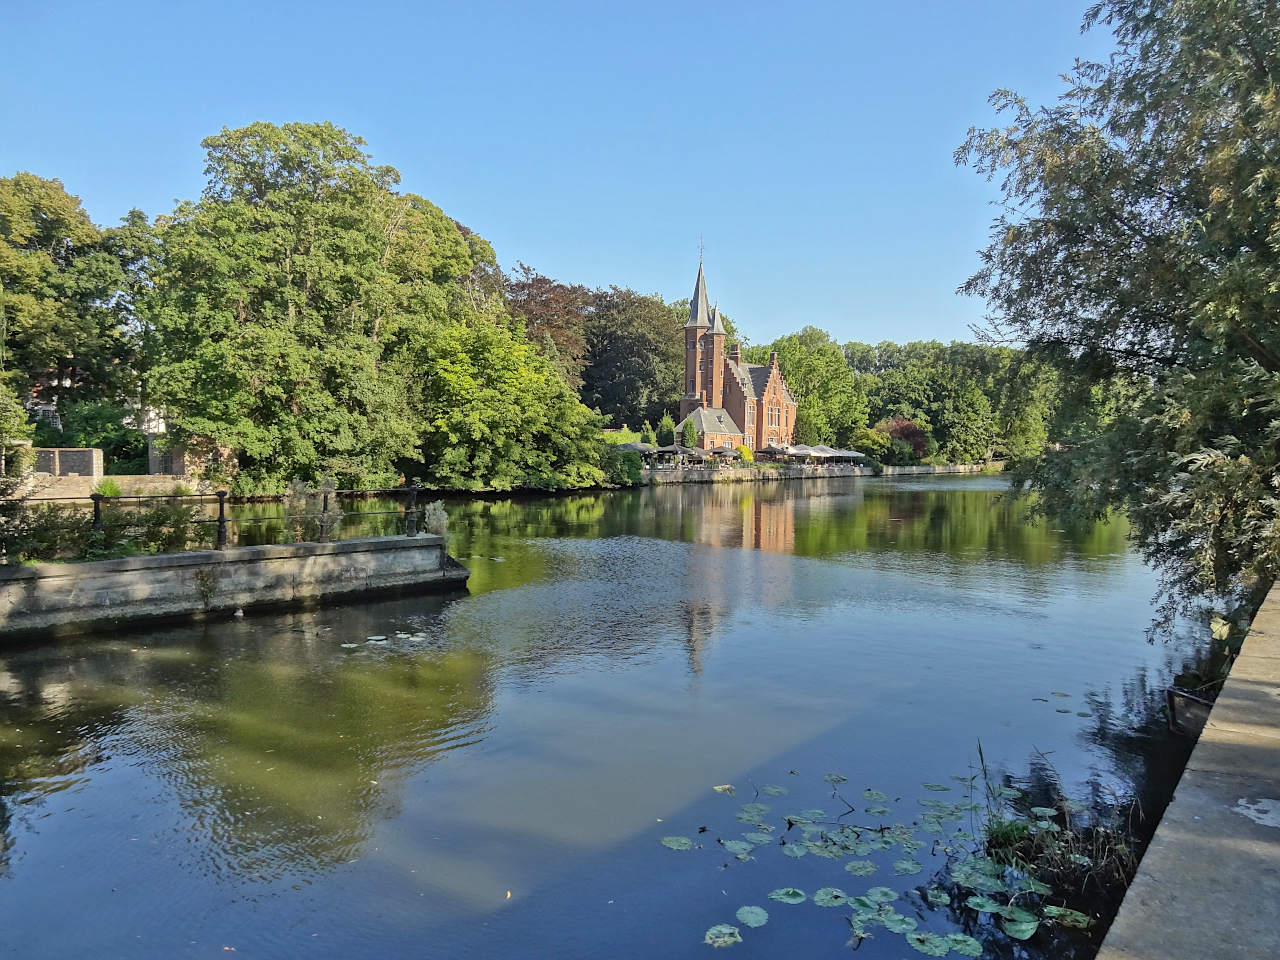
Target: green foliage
107,487
831,404
666,431
621,468
1139,244
689,433
101,424
874,443
648,434
634,356
746,453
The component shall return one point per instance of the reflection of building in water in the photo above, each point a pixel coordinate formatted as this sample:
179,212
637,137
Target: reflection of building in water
769,525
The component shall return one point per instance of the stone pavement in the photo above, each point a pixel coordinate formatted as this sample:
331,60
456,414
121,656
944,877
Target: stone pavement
1209,884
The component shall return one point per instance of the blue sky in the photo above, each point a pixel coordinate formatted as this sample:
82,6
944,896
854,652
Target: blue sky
809,143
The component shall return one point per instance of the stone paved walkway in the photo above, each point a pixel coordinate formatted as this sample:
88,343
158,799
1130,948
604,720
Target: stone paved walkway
1209,884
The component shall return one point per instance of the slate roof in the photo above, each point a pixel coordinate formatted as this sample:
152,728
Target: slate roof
699,309
717,322
753,377
711,420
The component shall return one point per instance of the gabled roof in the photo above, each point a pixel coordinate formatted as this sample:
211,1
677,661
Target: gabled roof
711,420
699,309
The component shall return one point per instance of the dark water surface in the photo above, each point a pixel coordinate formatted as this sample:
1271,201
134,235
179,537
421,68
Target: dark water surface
493,780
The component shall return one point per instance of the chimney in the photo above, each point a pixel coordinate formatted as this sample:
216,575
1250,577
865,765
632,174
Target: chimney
736,354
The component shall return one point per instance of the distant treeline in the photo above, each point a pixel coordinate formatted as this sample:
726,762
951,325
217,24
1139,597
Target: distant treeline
305,319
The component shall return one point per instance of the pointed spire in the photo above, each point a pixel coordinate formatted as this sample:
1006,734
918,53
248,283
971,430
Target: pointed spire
699,311
717,323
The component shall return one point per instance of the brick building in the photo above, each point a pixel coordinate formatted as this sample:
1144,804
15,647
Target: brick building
731,403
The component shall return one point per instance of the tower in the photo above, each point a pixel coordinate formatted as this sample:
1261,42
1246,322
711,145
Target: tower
697,376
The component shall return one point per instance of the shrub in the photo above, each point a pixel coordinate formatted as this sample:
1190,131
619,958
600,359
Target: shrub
746,453
621,467
434,518
871,442
107,487
689,434
908,431
666,431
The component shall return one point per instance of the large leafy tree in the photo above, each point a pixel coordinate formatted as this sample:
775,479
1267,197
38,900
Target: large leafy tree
635,356
60,278
555,316
831,404
285,301
1139,242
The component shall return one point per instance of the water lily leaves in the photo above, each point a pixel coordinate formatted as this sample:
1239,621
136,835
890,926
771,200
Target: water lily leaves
830,897
1020,929
834,778
936,787
1010,793
907,867
860,868
755,809
737,847
984,904
723,935
1068,917
824,849
753,916
878,810
759,839
938,897
349,646
1016,914
897,923
796,850
788,895
882,894
677,843
864,906
932,823
930,944
880,842
376,638
811,815
1032,885
726,789
875,796
773,790
964,944
1057,693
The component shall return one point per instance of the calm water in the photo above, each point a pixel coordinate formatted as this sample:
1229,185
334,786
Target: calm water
494,779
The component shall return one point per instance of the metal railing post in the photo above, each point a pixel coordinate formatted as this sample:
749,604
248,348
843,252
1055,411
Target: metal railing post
411,514
222,519
97,499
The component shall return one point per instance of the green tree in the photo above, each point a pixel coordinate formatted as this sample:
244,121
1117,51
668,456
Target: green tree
689,434
831,403
63,334
635,356
1140,242
648,434
666,431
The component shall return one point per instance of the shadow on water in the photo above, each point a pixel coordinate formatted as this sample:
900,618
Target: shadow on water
287,785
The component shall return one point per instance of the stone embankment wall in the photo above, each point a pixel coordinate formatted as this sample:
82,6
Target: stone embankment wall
142,484
743,474
1209,884
52,599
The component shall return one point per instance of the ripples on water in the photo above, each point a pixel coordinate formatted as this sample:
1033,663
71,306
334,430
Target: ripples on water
254,784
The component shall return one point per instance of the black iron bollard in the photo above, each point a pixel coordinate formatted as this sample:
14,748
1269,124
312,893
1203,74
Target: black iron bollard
97,499
222,519
411,514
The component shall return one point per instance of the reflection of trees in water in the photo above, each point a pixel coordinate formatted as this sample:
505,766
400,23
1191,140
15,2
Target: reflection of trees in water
282,755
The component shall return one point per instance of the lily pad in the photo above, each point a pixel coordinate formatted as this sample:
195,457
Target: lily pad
878,810
984,904
677,843
930,944
773,790
723,935
882,894
796,850
736,847
376,638
1058,693
964,944
875,796
907,867
813,814
1020,929
350,646
861,868
1068,917
830,897
834,778
897,923
1044,812
864,905
788,895
1010,793
726,789
938,897
1032,885
753,916
1016,914
937,787
759,839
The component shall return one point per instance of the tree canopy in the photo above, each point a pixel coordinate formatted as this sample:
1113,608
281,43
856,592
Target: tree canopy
1139,240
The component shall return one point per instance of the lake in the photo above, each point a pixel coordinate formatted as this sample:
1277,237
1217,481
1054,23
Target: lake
496,776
